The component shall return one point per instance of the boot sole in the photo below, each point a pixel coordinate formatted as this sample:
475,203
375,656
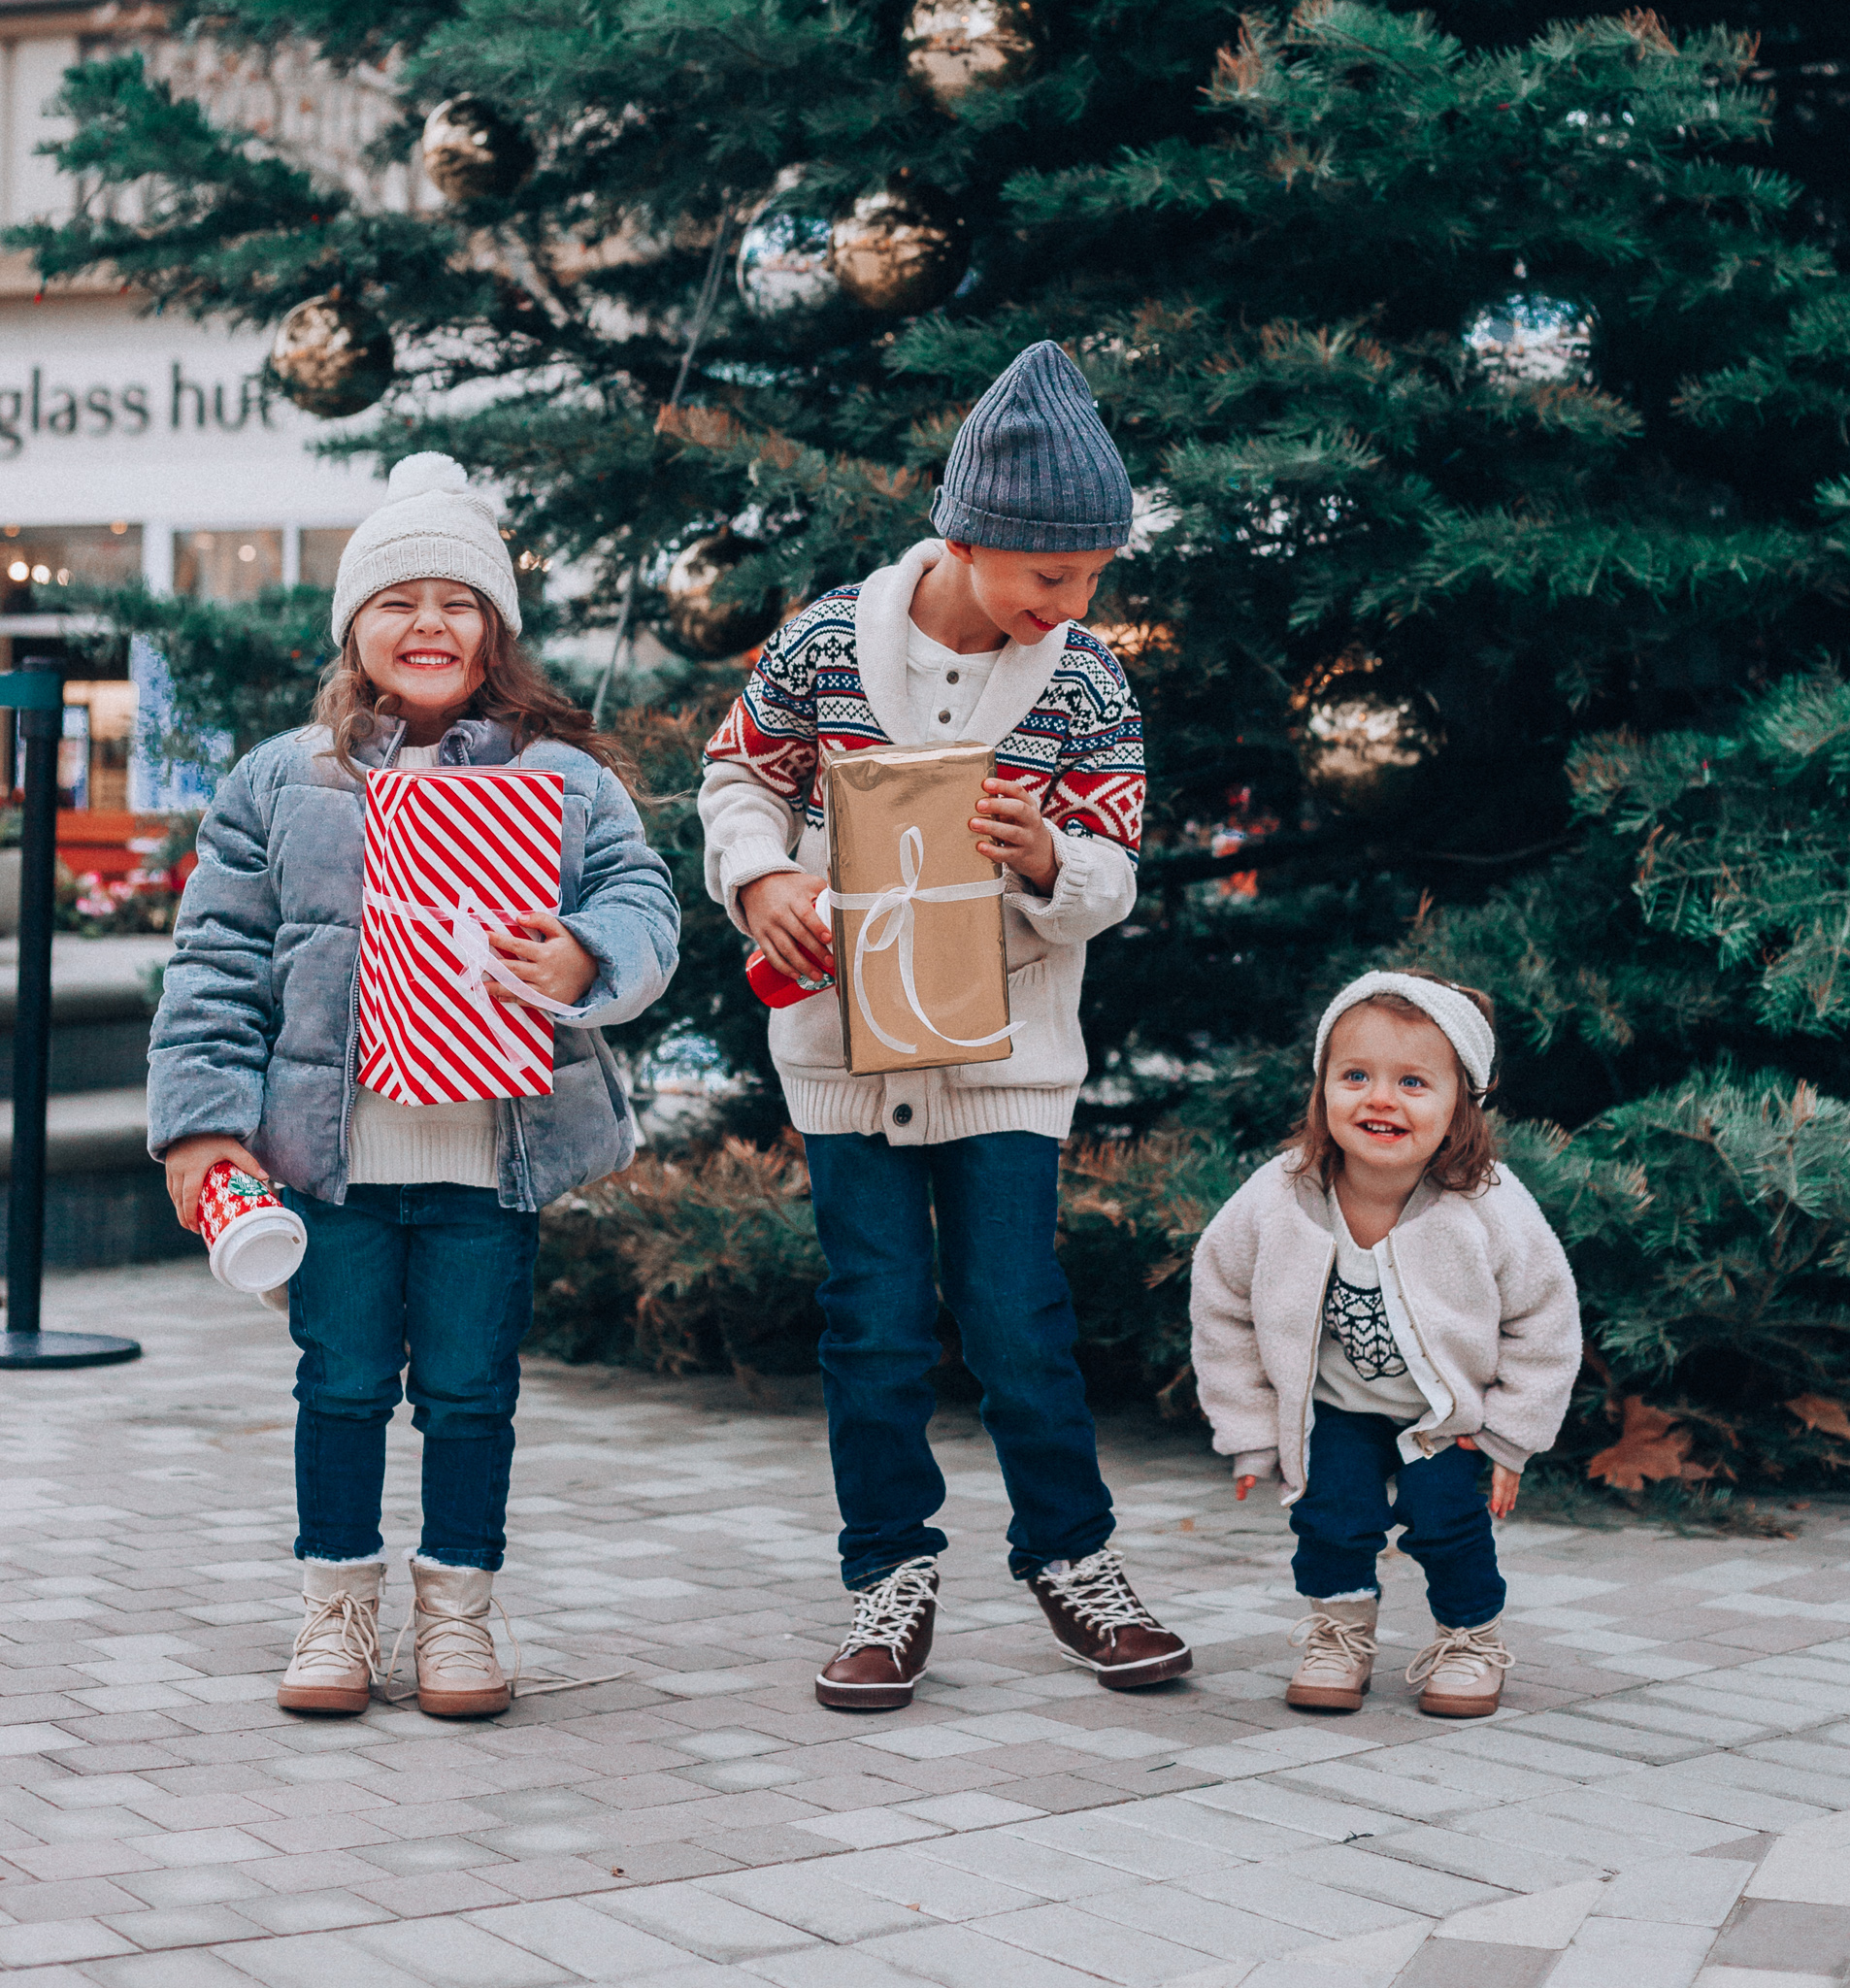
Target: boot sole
1324,1698
464,1705
333,1699
1459,1707
1132,1677
864,1697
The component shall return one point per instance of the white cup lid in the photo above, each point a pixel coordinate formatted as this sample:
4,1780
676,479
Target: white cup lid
260,1251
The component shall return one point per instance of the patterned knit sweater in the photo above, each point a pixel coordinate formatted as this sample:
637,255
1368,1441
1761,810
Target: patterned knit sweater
1063,721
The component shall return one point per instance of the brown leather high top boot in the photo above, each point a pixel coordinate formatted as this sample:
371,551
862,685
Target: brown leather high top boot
884,1654
1098,1622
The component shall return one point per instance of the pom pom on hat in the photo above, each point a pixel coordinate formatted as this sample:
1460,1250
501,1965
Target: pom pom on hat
431,526
426,471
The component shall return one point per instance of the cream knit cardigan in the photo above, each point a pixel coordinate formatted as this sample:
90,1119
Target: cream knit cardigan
1478,1294
752,832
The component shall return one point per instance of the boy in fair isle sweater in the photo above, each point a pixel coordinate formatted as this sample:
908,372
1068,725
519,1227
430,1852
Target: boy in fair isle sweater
976,636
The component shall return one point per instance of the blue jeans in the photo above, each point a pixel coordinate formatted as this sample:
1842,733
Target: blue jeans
445,1275
996,1197
1343,1519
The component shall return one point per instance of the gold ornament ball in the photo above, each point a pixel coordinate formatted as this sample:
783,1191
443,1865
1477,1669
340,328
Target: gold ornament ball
953,47
331,357
473,153
1364,744
704,626
901,250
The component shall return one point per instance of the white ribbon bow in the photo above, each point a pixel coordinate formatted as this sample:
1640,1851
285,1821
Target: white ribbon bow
889,923
469,926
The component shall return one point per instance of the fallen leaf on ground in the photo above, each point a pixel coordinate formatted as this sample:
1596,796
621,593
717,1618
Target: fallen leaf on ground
1652,1443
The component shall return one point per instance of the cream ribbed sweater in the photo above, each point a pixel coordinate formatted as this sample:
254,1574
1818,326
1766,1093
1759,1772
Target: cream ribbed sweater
401,1145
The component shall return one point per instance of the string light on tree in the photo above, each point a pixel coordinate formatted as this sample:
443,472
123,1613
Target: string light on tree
1532,338
1364,744
953,47
704,626
331,357
470,152
901,250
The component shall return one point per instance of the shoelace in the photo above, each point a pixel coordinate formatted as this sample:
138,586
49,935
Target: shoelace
886,1613
1482,1645
356,1638
1325,1635
1096,1591
476,1636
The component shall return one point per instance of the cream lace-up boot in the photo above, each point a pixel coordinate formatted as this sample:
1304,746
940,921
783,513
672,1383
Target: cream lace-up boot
336,1655
1339,1645
458,1673
1463,1671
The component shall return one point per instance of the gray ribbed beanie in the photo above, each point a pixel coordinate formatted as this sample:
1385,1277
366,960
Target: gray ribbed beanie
1033,468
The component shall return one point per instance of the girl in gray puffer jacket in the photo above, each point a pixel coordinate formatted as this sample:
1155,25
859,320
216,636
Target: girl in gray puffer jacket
422,1221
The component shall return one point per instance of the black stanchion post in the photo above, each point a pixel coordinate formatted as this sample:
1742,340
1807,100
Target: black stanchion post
38,693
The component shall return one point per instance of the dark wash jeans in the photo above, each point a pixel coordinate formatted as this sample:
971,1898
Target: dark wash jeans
1343,1519
995,1198
449,1273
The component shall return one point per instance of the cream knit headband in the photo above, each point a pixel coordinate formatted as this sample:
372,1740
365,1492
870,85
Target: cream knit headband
1463,1022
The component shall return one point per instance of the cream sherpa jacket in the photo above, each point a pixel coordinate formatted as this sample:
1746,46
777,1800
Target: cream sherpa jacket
1478,1294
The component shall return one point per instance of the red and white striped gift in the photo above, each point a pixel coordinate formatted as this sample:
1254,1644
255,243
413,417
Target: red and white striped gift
453,854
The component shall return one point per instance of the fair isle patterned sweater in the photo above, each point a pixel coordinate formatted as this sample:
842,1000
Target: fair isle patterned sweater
1063,720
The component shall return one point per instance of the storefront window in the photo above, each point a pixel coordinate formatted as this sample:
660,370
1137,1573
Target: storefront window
102,715
227,566
40,563
321,549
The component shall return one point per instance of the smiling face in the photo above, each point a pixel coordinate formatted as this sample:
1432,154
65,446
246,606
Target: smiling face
423,644
1390,1087
1026,595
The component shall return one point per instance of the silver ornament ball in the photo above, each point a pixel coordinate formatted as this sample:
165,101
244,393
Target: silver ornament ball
1363,743
1532,338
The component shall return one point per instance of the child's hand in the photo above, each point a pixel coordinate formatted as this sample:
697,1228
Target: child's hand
1503,1484
557,965
1241,1485
189,1160
780,915
1016,833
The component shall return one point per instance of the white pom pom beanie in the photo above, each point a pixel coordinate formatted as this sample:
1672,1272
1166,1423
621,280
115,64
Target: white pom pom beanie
431,526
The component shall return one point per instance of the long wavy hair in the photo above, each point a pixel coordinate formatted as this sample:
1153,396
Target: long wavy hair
513,689
1466,1162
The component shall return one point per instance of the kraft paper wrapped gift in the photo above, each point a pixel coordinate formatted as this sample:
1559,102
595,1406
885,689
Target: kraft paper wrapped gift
920,968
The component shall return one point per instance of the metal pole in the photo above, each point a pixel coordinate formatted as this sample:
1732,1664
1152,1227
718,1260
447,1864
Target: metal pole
22,1344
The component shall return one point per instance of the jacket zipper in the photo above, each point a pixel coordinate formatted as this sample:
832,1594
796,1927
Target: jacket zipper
1424,1440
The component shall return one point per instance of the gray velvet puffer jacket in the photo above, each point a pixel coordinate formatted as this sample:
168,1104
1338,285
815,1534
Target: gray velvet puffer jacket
257,1029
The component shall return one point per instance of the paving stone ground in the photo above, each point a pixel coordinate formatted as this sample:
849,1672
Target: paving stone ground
1665,1799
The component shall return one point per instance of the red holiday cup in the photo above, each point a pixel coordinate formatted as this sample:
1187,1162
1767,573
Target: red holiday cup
777,989
255,1242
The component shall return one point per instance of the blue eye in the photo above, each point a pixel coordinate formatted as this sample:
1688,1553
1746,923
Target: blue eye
1414,1082
1355,1077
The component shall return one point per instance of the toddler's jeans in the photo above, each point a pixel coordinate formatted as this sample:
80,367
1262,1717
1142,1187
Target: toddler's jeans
441,1275
1343,1519
995,1198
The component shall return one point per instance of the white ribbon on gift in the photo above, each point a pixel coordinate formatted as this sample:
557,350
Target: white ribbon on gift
468,924
889,924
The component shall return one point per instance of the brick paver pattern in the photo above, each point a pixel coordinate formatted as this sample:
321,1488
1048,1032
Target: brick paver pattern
1664,1800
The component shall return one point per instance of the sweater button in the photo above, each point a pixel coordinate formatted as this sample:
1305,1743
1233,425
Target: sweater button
944,717
901,1114
950,676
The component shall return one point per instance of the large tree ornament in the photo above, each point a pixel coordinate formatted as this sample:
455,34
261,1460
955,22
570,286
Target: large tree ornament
331,357
783,268
1535,338
472,152
953,47
901,250
701,625
1364,744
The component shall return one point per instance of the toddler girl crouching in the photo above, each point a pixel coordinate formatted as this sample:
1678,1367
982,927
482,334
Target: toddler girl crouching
1373,1308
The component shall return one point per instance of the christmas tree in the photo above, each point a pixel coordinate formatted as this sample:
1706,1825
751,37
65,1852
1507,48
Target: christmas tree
1486,401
